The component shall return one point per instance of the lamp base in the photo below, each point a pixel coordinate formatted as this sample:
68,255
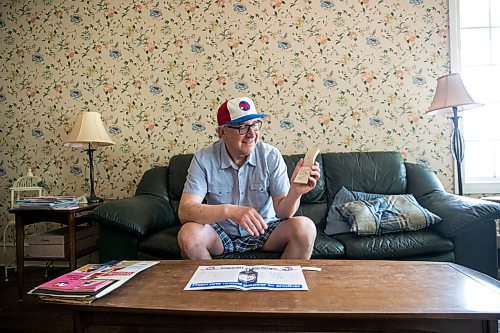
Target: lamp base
94,199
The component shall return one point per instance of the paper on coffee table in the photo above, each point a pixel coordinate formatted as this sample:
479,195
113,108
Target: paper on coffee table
244,277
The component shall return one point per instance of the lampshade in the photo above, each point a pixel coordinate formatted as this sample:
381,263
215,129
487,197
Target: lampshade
88,129
451,92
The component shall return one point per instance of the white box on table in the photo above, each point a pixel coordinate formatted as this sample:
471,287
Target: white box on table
55,243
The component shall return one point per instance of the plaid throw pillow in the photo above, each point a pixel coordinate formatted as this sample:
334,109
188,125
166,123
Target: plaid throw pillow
335,222
387,214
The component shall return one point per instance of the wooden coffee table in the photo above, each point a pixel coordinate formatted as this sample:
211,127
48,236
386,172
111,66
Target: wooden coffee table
361,296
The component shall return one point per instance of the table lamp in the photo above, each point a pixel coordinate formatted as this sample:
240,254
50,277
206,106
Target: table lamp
451,97
88,133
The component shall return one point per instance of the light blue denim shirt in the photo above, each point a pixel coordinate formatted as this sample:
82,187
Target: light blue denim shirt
214,176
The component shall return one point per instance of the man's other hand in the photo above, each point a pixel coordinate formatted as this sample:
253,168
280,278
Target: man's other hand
249,219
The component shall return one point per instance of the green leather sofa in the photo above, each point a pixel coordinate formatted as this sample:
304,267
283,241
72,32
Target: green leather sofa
145,226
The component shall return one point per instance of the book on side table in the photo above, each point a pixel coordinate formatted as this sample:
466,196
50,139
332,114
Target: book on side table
48,202
90,282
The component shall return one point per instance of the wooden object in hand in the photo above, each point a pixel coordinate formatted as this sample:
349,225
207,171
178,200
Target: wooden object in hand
302,176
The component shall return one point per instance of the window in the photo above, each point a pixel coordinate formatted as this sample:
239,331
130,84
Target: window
475,54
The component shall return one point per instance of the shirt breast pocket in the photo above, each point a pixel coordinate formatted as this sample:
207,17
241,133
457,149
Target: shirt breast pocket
258,195
219,195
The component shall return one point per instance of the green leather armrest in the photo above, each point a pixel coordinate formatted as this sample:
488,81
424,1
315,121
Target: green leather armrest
421,180
458,213
141,215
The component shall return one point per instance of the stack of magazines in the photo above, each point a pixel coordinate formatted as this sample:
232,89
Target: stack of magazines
90,282
48,202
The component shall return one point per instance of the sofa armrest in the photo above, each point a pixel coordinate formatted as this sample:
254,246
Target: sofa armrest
458,213
140,215
421,180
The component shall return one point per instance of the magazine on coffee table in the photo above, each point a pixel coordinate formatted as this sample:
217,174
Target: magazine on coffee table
242,277
90,282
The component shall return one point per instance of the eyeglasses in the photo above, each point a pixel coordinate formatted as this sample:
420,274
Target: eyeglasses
244,129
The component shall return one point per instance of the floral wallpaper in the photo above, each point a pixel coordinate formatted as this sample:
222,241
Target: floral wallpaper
339,75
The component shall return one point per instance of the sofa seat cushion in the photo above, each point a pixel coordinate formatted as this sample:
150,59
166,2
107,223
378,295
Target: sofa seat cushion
250,255
327,248
324,248
162,244
395,245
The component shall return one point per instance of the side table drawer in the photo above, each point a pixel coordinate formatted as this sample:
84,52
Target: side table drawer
83,217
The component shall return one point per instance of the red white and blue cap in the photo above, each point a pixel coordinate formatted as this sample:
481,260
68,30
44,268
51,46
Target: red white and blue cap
237,110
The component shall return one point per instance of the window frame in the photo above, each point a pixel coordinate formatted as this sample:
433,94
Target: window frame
483,185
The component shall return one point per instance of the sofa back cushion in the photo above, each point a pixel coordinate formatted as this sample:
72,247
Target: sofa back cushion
179,165
154,182
372,172
316,212
178,168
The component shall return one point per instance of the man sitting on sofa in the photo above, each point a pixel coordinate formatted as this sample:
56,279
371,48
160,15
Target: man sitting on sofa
250,202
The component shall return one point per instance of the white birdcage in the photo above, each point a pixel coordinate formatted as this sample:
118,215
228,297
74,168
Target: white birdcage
28,185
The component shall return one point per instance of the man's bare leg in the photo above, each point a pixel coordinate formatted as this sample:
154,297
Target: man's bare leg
295,237
199,241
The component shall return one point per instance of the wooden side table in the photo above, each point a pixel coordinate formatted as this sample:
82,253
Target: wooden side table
69,217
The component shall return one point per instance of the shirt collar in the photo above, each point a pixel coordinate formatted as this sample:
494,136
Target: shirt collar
225,159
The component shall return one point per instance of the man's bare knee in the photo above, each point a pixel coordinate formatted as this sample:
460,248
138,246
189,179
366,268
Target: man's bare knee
192,241
302,237
198,241
303,228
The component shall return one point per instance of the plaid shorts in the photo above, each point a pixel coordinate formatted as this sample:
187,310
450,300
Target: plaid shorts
247,243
